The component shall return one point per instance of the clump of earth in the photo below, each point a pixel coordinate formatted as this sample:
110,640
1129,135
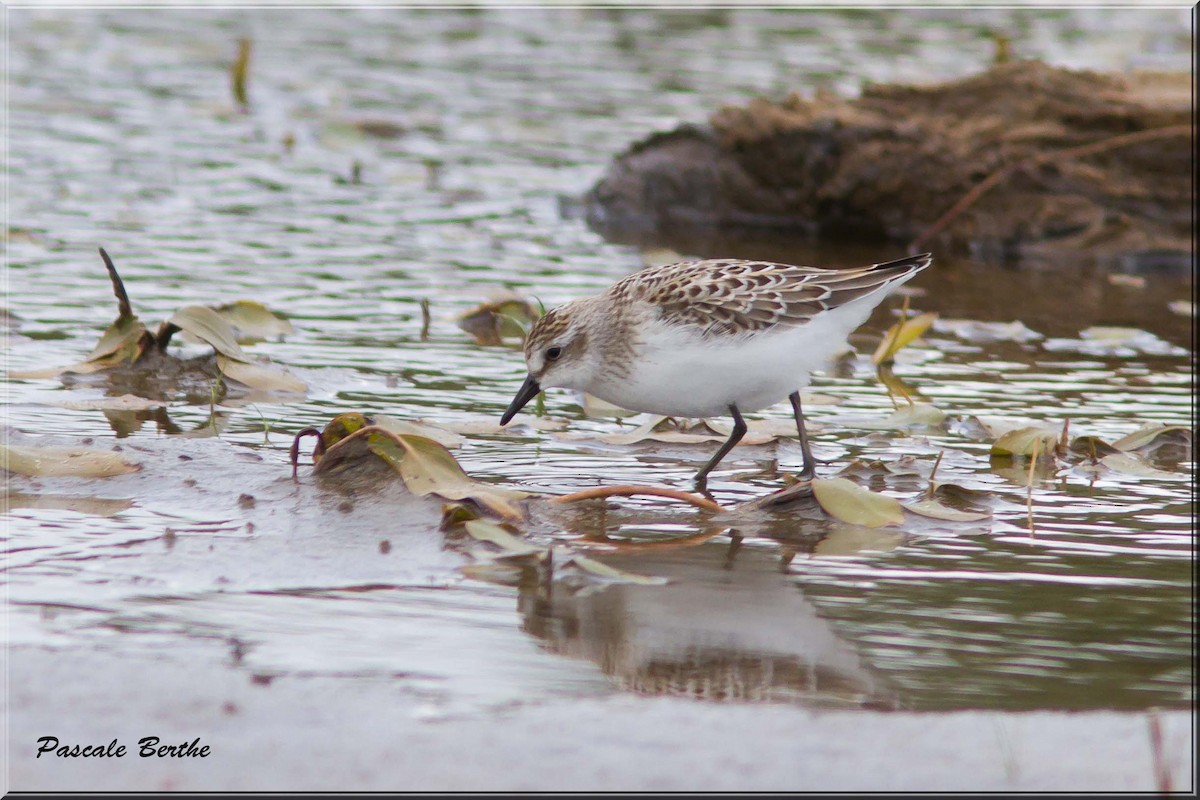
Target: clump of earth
1094,166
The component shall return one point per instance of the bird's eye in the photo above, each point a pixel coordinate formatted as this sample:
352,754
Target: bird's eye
553,353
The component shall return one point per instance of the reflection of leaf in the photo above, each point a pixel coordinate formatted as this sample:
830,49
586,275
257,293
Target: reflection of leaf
849,540
487,530
504,315
611,574
126,402
929,507
55,462
901,335
91,506
208,326
903,417
259,375
850,502
1122,462
253,321
1022,441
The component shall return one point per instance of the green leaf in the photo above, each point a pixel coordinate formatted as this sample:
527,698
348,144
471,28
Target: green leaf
208,326
850,502
57,462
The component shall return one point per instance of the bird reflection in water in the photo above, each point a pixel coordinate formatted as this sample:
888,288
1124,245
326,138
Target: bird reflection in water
732,625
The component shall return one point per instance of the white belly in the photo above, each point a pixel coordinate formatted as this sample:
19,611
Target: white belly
677,373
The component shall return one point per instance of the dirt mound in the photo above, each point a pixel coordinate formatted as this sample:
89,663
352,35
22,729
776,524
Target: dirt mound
1025,161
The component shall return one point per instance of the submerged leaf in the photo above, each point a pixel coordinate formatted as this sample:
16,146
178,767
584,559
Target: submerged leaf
209,327
260,375
850,502
902,334
253,321
56,462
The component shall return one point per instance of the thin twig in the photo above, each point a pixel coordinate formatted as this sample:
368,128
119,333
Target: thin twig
425,320
933,473
1162,770
630,491
1029,497
1080,151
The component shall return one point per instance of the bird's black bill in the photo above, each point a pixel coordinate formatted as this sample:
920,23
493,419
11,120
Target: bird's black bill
529,390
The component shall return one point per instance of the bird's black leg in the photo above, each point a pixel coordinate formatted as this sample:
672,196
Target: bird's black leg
739,430
809,470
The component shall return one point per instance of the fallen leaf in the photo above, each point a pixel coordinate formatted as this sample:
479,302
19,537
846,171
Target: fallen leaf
253,321
850,502
260,375
57,462
1022,441
902,334
445,438
428,468
209,327
505,314
1152,437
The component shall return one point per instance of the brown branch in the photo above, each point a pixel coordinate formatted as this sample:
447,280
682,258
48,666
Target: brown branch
630,491
1080,151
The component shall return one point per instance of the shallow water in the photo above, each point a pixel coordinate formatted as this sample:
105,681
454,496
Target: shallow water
124,135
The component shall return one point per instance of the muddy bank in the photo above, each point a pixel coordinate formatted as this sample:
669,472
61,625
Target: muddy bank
1075,164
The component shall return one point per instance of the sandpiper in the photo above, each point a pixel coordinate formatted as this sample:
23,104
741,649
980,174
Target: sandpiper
705,338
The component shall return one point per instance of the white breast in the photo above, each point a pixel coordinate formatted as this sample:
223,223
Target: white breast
678,373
